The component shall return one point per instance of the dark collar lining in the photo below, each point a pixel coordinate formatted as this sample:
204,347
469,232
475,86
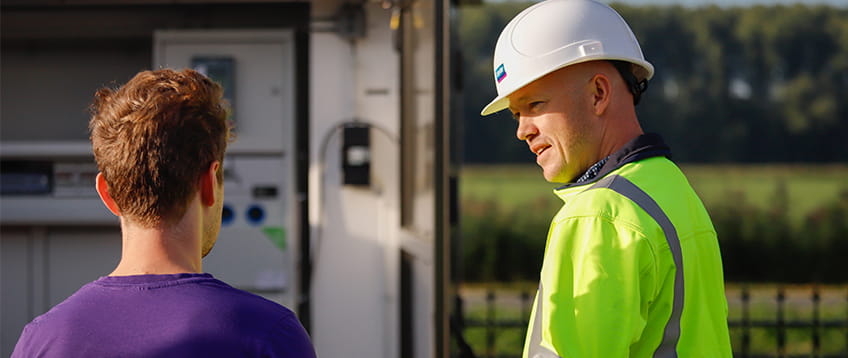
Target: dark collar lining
642,147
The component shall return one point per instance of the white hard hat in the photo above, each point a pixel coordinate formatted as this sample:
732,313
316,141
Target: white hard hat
557,33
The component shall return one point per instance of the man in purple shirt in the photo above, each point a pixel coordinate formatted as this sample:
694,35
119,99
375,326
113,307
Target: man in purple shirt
159,142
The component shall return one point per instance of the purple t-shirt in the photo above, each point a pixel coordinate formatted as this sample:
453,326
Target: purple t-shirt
181,315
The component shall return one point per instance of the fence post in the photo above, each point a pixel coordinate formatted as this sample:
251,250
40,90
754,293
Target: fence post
490,324
781,325
746,322
816,338
458,326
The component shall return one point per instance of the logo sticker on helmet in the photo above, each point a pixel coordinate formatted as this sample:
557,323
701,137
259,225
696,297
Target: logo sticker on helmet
500,73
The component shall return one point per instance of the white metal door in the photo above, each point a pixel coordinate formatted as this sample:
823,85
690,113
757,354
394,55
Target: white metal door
256,246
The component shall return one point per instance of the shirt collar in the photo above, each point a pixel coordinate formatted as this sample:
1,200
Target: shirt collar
592,172
642,147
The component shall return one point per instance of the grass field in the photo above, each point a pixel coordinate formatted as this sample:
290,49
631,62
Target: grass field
806,186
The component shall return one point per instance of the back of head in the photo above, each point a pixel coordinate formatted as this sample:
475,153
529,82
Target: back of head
152,139
553,34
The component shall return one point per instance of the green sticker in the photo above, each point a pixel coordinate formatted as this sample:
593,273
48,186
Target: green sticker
277,235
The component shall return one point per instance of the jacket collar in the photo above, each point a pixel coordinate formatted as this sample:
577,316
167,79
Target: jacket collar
642,147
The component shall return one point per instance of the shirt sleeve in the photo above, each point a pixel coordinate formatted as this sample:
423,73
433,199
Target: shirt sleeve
27,345
598,281
289,339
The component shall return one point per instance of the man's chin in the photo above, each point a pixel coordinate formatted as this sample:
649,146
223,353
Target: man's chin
555,178
559,180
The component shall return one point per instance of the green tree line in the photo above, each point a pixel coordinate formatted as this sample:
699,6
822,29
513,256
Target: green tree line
755,84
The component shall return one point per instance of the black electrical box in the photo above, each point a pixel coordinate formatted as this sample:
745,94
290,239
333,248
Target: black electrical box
356,155
26,177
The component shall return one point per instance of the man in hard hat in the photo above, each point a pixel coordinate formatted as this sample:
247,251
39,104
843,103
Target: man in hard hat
159,142
632,266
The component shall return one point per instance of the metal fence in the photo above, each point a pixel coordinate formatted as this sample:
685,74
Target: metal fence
766,321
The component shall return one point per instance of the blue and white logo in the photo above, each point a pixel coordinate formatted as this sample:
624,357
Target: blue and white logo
500,73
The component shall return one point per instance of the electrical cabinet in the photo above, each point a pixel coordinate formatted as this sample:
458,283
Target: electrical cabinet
254,250
56,235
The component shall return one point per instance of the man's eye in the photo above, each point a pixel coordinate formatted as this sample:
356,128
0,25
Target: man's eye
535,105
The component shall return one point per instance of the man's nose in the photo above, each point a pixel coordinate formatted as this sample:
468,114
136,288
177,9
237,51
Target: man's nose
526,128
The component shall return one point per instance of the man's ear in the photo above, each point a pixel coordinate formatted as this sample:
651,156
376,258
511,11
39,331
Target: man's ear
208,184
601,88
103,191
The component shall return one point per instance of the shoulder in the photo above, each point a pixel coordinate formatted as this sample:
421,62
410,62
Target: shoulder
601,205
655,175
67,309
222,295
277,330
55,322
271,328
667,186
622,206
627,192
288,338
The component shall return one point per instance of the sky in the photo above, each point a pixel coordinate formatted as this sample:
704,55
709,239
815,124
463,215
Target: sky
722,3
838,3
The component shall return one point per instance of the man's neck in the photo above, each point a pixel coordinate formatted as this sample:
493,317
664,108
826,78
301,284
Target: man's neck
621,127
160,250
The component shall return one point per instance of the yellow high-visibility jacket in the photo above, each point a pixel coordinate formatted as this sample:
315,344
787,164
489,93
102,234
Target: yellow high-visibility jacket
632,267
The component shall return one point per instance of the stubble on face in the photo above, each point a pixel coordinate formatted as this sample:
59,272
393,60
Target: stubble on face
564,123
571,144
212,224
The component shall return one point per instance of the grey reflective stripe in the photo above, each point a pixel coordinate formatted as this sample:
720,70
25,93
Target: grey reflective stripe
536,350
621,185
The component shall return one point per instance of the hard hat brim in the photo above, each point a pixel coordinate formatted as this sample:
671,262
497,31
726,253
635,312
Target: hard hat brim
498,104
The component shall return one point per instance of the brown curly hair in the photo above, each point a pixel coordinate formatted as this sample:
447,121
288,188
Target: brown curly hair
154,137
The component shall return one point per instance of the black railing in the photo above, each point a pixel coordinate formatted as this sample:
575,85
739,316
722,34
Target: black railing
801,318
765,321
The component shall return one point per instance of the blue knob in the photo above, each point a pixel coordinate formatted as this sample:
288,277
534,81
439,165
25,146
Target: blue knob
255,214
227,215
